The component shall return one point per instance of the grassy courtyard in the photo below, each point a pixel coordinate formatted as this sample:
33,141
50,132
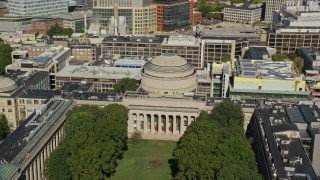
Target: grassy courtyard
147,153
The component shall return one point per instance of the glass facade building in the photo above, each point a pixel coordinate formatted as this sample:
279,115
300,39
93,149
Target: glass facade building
37,7
172,15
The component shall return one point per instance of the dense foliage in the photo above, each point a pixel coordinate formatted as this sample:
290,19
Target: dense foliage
125,84
4,128
95,138
5,55
279,57
56,30
299,63
214,147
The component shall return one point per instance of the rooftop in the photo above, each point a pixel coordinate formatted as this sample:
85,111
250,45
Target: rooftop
138,39
257,53
181,40
99,72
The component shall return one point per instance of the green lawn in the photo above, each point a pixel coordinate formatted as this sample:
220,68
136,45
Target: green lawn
147,153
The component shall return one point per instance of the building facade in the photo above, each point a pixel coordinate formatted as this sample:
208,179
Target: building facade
42,26
37,7
139,16
172,15
271,6
242,15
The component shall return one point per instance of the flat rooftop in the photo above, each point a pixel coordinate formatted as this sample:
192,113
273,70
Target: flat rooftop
181,40
99,72
137,39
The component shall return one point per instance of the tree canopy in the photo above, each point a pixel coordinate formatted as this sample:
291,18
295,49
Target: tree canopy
125,84
210,149
226,58
95,138
279,57
56,30
299,63
4,128
5,55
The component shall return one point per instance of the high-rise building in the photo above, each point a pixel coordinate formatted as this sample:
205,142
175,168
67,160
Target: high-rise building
86,4
130,16
172,14
271,6
37,7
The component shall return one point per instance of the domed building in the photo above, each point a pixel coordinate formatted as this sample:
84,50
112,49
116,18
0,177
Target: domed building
168,75
7,84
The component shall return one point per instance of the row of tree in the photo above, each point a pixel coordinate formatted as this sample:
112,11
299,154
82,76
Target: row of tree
4,128
214,147
95,138
5,55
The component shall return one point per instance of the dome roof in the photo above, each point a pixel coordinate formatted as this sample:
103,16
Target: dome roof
7,84
169,60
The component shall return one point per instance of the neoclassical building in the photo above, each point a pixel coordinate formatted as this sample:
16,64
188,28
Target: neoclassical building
168,74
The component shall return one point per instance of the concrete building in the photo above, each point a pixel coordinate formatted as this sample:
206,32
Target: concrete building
34,49
76,20
13,24
103,78
267,79
245,15
52,61
12,89
37,7
85,52
172,15
311,57
126,16
271,6
295,26
284,136
199,51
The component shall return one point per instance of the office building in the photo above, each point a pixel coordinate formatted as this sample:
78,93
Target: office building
295,26
271,6
85,52
126,16
246,15
76,20
37,7
85,4
12,24
172,14
267,79
34,49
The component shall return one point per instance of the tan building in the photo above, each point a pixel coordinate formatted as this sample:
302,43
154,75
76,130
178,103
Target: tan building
34,50
242,14
168,75
85,52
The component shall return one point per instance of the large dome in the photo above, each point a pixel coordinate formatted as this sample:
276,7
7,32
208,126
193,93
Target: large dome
7,84
168,66
169,75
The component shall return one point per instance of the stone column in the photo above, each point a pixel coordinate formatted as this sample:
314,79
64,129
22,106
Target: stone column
42,163
189,120
145,123
174,125
27,174
152,123
34,173
130,122
39,167
159,124
30,170
138,122
167,124
181,125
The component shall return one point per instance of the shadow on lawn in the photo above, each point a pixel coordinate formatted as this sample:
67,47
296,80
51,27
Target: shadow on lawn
173,166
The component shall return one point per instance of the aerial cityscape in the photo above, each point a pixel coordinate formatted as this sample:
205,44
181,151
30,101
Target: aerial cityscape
159,89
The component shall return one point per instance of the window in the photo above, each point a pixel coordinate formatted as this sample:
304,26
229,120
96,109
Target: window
9,110
9,102
29,101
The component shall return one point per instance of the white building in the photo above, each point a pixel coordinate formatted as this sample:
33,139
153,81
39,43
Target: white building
37,7
248,15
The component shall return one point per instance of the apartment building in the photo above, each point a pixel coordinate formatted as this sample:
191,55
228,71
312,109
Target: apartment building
37,7
126,16
245,15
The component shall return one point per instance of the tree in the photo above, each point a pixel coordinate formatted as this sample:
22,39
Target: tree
5,55
126,84
278,57
95,138
299,63
56,30
208,150
136,137
226,58
4,128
